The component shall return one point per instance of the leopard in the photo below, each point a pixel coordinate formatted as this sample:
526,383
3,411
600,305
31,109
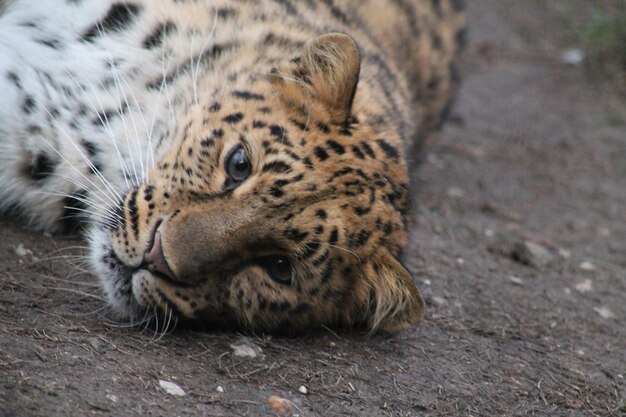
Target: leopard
230,163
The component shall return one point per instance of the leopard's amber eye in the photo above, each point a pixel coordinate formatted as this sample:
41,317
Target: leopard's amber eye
279,268
238,165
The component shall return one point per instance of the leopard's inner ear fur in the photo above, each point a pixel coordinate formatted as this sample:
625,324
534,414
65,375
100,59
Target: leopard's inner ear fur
387,295
324,79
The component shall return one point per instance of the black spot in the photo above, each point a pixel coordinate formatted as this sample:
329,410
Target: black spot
295,235
233,118
289,8
215,107
320,153
334,236
358,152
277,192
299,124
257,124
147,192
119,17
207,142
336,146
91,148
338,14
41,167
103,117
276,166
282,41
50,43
155,39
359,239
368,150
15,79
321,214
134,212
389,149
28,105
226,13
323,127
248,95
279,133
327,273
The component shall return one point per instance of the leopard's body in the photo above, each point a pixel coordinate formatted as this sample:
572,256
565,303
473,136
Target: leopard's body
237,161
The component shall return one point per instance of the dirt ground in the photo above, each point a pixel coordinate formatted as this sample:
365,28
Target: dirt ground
519,248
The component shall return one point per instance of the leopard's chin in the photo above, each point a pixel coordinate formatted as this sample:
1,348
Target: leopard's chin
114,276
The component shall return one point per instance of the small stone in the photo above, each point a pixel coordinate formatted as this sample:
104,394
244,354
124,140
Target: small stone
604,312
303,390
439,301
584,287
95,344
573,56
171,388
332,344
112,398
220,389
282,405
517,281
460,261
565,254
489,233
245,348
587,266
531,253
454,192
22,251
427,282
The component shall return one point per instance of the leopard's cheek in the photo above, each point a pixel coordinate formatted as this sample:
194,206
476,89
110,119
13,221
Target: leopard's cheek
262,302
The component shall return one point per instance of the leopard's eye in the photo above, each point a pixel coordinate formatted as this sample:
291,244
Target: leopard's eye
279,268
238,165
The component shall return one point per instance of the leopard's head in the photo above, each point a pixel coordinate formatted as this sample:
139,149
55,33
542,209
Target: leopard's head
276,209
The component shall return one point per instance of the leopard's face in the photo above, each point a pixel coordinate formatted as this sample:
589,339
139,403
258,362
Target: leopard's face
276,208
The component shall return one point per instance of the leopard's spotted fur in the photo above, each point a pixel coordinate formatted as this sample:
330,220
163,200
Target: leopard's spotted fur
238,161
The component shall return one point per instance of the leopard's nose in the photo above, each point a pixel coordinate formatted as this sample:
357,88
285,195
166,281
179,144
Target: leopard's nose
154,260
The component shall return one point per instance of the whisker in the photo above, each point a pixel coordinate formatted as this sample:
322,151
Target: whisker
194,74
105,122
83,294
118,85
81,153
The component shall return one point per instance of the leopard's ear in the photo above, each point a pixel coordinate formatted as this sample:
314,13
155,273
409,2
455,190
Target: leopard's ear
387,295
326,74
